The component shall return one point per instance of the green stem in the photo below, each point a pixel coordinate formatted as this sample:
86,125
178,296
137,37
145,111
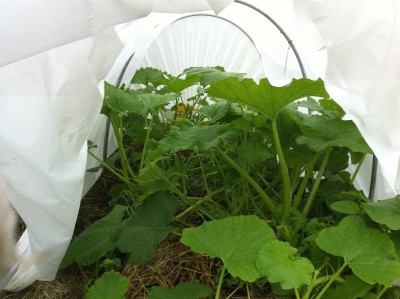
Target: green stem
307,175
176,109
297,293
108,167
203,175
146,141
124,159
330,281
311,286
268,202
357,169
200,201
295,179
326,278
317,181
221,279
287,192
379,295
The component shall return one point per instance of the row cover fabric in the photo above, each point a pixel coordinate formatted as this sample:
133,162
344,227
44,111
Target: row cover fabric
44,24
362,40
50,97
49,103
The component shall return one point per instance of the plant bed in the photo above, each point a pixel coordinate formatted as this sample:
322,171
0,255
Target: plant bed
239,172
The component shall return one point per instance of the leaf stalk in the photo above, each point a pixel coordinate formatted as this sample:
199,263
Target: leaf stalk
287,192
317,181
331,280
307,175
221,279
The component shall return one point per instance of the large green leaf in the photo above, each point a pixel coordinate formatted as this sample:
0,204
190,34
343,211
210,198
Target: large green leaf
184,290
235,240
209,75
327,107
265,97
157,77
152,102
369,252
118,100
182,138
148,227
149,75
97,240
351,288
385,212
152,179
279,262
358,220
346,207
215,111
111,285
255,152
321,132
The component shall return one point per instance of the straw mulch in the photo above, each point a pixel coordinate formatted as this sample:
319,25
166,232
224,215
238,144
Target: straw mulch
172,263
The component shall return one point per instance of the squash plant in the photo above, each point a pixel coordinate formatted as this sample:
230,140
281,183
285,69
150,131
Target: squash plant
270,180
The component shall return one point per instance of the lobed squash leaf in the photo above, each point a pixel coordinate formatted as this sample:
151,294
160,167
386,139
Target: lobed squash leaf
97,240
118,100
183,137
265,97
157,78
320,133
111,285
235,240
215,111
346,207
152,102
209,75
385,212
148,227
279,262
369,252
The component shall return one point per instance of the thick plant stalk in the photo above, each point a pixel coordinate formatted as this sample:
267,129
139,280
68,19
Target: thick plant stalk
146,142
267,200
124,159
307,175
315,186
221,279
297,293
287,192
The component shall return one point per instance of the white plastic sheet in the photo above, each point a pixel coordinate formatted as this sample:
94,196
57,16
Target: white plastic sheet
48,105
362,39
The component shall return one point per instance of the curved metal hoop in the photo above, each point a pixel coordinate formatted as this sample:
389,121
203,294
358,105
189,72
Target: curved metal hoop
289,40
